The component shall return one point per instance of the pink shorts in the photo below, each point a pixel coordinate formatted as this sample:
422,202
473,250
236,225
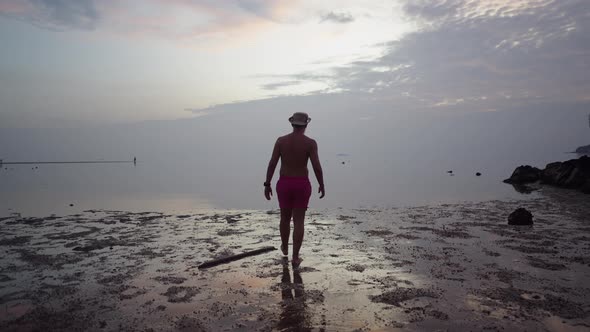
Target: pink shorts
293,192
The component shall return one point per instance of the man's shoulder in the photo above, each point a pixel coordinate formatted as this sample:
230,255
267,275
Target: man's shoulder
310,140
282,138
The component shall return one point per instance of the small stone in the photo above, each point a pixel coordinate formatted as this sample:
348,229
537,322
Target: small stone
520,216
71,204
478,174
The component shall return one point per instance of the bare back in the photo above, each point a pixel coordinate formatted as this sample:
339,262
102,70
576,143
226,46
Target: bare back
295,150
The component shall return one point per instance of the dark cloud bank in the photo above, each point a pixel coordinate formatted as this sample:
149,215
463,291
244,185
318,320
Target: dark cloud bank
471,58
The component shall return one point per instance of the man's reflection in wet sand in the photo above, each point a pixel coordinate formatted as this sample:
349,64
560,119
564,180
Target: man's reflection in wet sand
293,315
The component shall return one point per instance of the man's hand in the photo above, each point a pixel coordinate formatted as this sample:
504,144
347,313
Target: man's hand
268,192
322,192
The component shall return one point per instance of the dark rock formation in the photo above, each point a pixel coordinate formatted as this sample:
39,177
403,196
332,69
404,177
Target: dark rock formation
520,216
583,150
524,174
573,174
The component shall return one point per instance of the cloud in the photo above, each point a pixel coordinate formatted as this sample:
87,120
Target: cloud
472,55
164,18
341,18
54,14
277,85
468,56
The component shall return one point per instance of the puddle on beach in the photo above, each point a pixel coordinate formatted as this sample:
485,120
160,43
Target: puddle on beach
441,267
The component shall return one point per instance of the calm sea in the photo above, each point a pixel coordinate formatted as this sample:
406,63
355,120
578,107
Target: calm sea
219,161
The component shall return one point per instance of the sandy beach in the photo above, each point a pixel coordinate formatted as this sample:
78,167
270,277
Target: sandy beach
449,267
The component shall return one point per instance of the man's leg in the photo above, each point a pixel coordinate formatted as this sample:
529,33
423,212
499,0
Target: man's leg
298,228
285,229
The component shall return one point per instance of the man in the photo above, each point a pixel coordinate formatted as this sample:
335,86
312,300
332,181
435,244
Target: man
293,187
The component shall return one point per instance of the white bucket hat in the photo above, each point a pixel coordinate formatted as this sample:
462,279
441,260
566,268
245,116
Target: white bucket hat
300,119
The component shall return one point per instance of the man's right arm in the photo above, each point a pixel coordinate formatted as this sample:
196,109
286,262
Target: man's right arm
317,167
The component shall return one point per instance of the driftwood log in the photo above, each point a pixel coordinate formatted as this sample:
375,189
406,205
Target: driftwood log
232,258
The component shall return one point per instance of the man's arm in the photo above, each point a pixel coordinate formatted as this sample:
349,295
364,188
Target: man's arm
317,167
272,165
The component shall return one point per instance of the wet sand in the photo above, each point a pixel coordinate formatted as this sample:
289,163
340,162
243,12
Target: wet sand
450,267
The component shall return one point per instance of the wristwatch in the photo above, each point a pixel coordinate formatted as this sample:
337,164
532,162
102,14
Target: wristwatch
267,184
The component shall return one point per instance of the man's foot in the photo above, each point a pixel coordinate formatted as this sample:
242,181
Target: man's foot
285,250
296,261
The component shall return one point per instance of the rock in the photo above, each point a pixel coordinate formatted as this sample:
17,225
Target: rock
450,172
520,216
524,174
71,204
478,174
573,173
583,149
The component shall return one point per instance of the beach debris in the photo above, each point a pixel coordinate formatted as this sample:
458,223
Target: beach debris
524,174
231,219
478,174
450,172
71,204
396,296
356,268
343,163
520,216
235,257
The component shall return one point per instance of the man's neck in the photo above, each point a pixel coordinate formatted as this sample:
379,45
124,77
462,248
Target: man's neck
298,131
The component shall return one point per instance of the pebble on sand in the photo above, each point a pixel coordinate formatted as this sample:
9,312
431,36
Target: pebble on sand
520,216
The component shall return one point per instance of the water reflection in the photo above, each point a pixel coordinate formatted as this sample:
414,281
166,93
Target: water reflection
294,315
523,188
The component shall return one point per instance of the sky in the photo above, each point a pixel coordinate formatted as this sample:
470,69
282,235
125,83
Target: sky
88,62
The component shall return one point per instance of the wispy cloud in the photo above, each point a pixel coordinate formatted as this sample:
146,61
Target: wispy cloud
341,18
277,85
168,18
54,14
